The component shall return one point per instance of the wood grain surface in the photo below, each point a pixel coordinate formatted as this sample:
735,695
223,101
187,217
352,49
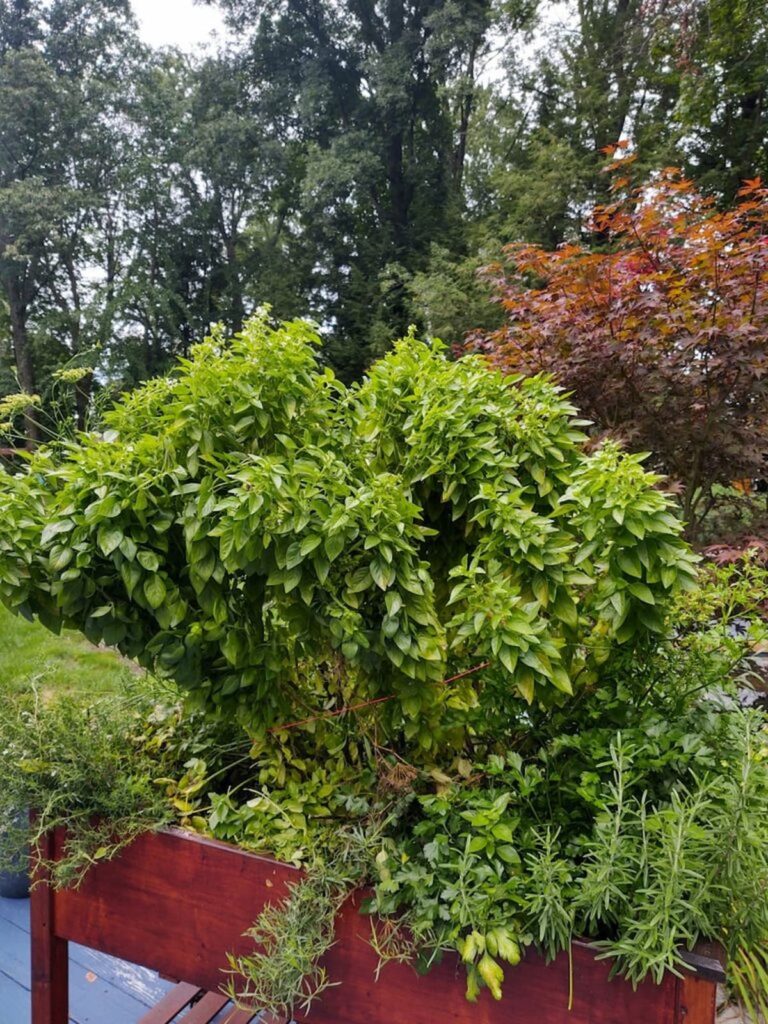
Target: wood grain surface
178,903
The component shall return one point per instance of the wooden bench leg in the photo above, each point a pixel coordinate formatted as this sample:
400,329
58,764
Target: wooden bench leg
50,956
696,1001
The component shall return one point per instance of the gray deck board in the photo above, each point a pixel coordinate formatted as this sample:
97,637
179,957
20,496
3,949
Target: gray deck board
102,990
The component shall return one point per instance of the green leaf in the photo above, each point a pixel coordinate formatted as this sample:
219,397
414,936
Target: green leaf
292,579
155,590
564,608
383,575
503,832
309,543
149,560
630,563
561,680
411,706
525,681
109,538
508,854
54,529
642,592
60,558
508,658
322,567
626,631
128,549
334,545
359,580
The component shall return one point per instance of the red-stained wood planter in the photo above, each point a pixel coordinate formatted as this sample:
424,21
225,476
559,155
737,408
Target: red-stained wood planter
177,903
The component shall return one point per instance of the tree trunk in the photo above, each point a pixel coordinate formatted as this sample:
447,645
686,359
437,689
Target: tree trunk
237,307
466,107
397,188
22,352
82,387
398,196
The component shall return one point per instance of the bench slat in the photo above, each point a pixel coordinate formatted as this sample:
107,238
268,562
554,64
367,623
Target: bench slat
204,1011
173,1002
242,1017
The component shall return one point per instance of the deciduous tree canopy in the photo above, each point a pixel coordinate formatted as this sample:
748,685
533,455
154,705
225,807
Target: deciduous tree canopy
357,159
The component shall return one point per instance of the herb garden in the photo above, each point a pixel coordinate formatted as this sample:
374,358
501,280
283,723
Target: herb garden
419,637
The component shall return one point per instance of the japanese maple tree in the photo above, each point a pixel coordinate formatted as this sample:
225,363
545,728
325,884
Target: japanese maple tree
660,331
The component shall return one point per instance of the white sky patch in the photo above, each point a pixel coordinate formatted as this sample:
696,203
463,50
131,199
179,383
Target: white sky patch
180,23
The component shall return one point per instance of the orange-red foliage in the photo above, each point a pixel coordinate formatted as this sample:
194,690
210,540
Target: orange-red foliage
663,338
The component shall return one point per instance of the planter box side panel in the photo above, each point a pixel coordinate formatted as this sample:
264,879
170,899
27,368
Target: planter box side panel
534,992
173,902
178,903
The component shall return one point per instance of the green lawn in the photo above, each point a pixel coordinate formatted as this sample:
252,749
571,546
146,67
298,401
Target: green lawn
67,663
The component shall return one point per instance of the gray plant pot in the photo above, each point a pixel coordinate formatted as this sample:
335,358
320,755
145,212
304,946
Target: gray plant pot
14,882
14,885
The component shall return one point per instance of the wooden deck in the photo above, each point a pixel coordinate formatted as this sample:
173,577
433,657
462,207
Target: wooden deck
103,990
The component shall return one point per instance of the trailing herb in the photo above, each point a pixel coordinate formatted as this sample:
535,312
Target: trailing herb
80,768
106,770
285,972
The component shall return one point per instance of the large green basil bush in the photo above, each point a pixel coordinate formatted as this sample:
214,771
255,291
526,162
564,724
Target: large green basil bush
281,545
546,740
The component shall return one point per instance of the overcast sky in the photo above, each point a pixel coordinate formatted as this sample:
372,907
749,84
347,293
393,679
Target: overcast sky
177,22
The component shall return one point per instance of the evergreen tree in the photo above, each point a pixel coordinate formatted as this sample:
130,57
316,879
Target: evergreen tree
723,109
381,96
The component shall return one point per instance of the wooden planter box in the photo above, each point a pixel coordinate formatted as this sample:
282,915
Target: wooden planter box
177,903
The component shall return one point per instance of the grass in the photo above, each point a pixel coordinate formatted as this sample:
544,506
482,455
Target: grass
57,664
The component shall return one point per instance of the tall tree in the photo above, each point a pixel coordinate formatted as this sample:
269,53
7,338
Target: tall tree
723,109
91,48
61,66
162,261
24,94
31,189
598,75
381,96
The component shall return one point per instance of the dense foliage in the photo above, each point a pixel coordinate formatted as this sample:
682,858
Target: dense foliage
663,337
471,666
603,817
358,159
283,546
458,639
418,632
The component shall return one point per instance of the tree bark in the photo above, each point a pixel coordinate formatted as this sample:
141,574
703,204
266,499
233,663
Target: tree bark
82,387
398,195
398,192
22,352
466,107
